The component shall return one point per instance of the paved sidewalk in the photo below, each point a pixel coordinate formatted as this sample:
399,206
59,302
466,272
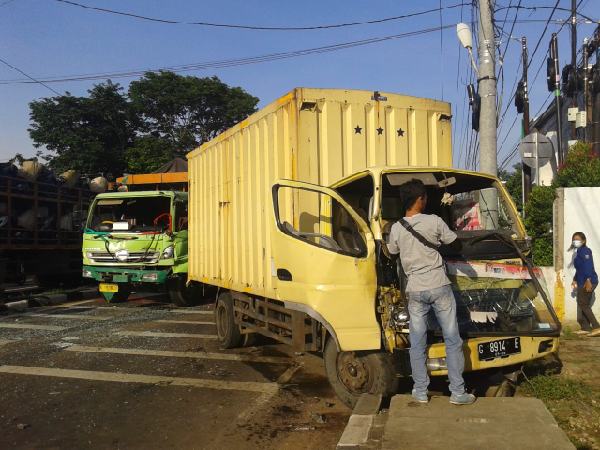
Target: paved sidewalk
490,423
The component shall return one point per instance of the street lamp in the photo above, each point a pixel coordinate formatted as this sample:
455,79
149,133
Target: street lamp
463,31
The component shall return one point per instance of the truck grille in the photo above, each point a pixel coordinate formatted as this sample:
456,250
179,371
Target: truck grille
134,257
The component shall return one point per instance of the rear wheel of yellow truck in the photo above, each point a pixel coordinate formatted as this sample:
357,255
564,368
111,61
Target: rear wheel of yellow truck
354,373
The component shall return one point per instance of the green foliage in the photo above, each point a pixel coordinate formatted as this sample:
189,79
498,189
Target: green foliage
89,134
163,115
581,168
514,184
538,221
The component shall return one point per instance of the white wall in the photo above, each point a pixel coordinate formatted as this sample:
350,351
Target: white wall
581,213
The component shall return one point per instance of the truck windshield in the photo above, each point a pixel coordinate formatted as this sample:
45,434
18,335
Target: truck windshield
466,202
499,298
134,214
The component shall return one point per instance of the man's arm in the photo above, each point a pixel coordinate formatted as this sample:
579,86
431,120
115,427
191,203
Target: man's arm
392,244
449,239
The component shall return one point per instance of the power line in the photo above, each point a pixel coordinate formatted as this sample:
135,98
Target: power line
554,8
6,2
234,62
33,80
255,27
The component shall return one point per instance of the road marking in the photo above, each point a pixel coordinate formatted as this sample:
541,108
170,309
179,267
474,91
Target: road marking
196,355
71,304
189,311
91,375
70,316
192,322
6,341
30,326
160,334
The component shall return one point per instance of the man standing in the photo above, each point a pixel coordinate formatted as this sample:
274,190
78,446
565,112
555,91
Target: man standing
416,238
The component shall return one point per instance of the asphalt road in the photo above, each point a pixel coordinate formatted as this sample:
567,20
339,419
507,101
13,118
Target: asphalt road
146,374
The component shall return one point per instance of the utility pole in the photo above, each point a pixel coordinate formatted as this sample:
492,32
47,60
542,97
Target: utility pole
574,61
557,102
526,169
586,89
488,160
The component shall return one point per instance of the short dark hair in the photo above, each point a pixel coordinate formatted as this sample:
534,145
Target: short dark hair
410,193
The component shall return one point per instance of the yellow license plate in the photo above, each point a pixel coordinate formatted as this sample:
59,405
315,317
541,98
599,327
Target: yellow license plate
107,287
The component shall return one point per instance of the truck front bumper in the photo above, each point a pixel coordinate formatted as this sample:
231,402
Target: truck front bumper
122,275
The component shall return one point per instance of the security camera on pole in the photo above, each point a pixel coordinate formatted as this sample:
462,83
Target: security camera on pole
486,80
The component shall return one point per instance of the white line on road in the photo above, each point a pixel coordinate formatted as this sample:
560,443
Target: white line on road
189,311
6,341
70,316
30,326
191,322
71,304
91,375
196,355
160,334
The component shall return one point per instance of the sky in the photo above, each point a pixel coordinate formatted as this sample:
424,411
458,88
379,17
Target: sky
46,38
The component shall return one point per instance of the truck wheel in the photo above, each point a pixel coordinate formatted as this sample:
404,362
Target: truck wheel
354,373
228,331
182,294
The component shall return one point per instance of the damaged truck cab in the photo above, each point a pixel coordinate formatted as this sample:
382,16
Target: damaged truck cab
138,238
330,257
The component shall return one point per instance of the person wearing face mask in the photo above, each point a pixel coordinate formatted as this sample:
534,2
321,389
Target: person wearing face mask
584,283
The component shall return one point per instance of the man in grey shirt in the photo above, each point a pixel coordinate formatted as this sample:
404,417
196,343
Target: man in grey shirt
428,288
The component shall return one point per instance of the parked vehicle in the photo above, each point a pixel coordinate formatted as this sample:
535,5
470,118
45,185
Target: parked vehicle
304,264
138,238
40,228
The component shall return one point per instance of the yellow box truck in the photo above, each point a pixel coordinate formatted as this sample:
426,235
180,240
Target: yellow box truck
288,214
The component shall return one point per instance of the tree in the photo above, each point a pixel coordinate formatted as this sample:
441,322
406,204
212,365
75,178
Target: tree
185,111
148,154
88,134
581,167
513,183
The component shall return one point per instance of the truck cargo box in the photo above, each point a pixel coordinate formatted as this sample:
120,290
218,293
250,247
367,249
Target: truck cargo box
311,135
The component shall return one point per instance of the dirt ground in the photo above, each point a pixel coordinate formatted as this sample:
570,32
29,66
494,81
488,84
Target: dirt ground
573,395
147,375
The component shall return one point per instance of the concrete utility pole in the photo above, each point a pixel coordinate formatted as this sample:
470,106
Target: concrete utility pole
488,160
557,102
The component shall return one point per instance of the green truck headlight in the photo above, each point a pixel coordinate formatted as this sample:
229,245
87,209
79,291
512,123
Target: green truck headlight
168,252
87,274
150,277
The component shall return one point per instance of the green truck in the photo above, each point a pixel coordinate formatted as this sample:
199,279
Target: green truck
138,240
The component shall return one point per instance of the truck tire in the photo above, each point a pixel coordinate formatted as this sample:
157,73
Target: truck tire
228,331
354,373
181,294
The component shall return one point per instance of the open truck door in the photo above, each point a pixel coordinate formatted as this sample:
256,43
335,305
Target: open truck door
324,260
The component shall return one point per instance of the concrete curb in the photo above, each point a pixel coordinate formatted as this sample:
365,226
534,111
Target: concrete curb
50,300
359,425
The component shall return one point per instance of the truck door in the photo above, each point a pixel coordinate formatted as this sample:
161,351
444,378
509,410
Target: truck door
324,262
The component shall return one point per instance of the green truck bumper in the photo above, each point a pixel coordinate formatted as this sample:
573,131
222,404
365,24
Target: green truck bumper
120,275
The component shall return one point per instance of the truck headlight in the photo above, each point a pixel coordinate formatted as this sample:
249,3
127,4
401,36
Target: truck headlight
89,255
168,252
436,364
153,276
87,273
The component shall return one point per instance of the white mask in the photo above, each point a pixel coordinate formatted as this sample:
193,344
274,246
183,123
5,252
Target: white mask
577,243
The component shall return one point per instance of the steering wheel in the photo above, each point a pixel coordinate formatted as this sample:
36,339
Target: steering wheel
161,216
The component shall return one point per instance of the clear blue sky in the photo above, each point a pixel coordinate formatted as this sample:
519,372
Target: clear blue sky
46,38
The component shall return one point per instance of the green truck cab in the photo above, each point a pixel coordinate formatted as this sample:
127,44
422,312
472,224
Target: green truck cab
138,239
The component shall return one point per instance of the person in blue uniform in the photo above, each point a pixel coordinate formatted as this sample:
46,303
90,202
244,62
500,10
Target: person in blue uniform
584,283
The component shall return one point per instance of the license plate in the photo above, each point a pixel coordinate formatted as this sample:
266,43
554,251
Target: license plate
107,287
499,349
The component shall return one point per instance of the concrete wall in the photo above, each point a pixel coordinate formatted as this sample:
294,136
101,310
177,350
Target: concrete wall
578,209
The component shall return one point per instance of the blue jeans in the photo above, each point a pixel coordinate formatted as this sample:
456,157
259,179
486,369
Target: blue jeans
444,306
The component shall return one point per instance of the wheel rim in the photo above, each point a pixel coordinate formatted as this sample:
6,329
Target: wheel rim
352,372
222,322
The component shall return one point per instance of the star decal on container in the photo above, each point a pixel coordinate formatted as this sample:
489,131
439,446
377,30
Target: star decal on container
357,130
380,131
400,132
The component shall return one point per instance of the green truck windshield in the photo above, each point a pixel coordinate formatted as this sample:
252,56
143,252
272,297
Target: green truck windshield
134,214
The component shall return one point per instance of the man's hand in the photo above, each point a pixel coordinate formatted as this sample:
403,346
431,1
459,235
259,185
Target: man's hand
386,252
574,285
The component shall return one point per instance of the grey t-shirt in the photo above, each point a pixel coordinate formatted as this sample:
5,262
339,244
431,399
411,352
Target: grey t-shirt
422,265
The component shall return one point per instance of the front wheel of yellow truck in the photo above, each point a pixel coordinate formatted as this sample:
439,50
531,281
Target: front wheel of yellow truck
354,373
